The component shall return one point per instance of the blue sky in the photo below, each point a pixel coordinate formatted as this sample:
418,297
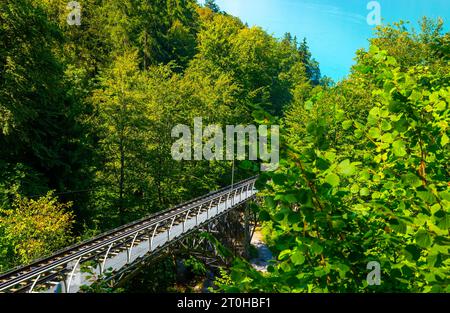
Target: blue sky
335,29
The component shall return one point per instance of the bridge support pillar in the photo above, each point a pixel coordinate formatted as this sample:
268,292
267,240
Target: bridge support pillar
247,234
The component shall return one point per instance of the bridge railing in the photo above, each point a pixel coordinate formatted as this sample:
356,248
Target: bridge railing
122,247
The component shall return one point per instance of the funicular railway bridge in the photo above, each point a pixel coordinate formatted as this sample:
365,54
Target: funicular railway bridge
124,248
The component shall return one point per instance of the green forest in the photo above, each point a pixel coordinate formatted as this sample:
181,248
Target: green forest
86,113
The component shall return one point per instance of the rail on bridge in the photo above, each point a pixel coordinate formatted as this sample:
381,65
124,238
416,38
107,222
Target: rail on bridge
126,246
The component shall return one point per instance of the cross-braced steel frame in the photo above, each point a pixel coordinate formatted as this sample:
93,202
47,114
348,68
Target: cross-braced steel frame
124,247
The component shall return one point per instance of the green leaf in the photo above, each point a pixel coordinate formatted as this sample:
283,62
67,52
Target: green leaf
444,140
347,124
290,198
320,273
343,269
374,113
346,168
364,192
387,138
303,196
426,197
385,125
316,248
333,180
330,156
279,178
270,202
259,116
391,61
395,106
358,133
444,222
411,180
285,266
354,188
298,258
398,226
322,164
398,148
373,49
284,254
294,218
445,195
423,239
246,165
279,217
374,133
264,216
412,252
340,114
363,69
415,96
309,105
441,106
401,125
364,175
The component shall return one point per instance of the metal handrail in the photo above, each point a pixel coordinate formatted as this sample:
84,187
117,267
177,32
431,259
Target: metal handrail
123,233
123,227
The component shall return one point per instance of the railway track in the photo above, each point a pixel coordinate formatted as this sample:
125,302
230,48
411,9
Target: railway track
59,269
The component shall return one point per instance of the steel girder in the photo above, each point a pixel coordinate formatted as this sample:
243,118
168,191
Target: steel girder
119,249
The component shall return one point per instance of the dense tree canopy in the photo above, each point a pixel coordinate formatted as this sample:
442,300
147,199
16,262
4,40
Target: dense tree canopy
87,110
86,114
364,177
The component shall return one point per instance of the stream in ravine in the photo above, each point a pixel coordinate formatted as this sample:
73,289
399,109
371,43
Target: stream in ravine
261,262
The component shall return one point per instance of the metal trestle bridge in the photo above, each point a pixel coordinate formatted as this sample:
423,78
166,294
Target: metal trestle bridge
124,247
